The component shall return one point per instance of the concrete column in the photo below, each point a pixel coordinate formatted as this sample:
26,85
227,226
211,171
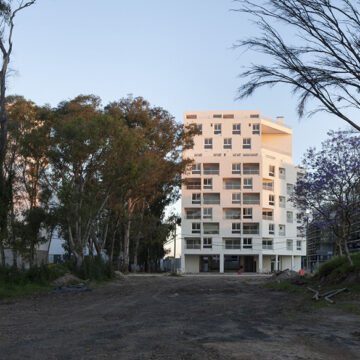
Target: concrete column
182,263
260,265
276,262
221,267
292,262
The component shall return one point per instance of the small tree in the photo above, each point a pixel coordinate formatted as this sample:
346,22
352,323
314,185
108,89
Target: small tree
322,63
331,186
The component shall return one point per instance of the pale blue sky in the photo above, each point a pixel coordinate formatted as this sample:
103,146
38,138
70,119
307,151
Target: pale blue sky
176,54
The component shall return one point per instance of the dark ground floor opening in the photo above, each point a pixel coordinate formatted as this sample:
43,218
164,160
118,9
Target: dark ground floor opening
232,263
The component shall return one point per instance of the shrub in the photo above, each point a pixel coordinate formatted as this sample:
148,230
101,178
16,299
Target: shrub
339,267
93,269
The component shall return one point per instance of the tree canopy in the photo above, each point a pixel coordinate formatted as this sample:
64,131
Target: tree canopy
313,47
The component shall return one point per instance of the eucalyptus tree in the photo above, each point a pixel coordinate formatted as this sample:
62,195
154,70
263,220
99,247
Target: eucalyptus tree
312,46
8,12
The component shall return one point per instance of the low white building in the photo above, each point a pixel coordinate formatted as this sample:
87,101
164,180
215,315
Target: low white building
235,209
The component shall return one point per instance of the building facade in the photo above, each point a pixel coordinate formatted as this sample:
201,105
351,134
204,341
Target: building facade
235,209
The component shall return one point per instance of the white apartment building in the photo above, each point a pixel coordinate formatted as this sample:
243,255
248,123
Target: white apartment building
236,212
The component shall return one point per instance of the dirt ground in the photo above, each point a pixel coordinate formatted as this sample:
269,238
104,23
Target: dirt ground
186,318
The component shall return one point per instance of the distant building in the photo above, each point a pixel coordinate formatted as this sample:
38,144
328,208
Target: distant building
235,208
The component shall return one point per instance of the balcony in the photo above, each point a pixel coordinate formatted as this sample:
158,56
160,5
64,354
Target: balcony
194,243
250,228
211,199
193,214
251,199
211,228
211,169
232,184
193,184
268,186
232,244
268,217
232,214
251,169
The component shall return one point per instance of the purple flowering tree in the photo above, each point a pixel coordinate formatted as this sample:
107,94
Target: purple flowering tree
330,187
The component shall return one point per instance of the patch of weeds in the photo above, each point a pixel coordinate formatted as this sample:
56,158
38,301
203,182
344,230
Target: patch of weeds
316,305
175,274
352,309
354,288
15,290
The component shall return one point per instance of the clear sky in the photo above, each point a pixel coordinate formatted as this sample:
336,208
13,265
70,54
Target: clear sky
175,53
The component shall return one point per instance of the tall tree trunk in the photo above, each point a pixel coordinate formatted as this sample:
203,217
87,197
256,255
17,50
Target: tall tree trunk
148,261
136,249
2,253
126,246
347,252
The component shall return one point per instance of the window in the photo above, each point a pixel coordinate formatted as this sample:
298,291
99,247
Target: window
207,213
254,116
236,198
227,143
247,143
199,126
208,183
236,129
236,228
289,188
282,201
236,168
267,244
247,243
196,169
232,243
272,200
271,229
289,216
228,116
247,213
207,243
193,243
256,129
232,184
271,170
282,230
211,228
196,198
193,213
192,116
217,116
282,173
298,245
208,143
217,129
248,183
289,244
196,228
212,198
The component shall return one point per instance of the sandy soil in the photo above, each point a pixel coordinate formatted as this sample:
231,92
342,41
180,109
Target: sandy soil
176,318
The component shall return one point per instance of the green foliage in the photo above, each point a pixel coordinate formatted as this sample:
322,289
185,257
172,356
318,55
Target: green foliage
339,267
93,269
352,309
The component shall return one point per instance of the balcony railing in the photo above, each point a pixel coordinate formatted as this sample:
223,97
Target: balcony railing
268,186
211,201
211,171
232,216
232,186
251,201
267,246
282,204
281,233
193,216
193,246
250,231
193,186
268,217
250,171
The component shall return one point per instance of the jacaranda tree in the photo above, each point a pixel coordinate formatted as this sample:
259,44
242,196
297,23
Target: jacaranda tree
331,186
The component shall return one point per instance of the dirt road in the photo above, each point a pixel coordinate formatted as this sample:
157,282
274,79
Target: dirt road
185,318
